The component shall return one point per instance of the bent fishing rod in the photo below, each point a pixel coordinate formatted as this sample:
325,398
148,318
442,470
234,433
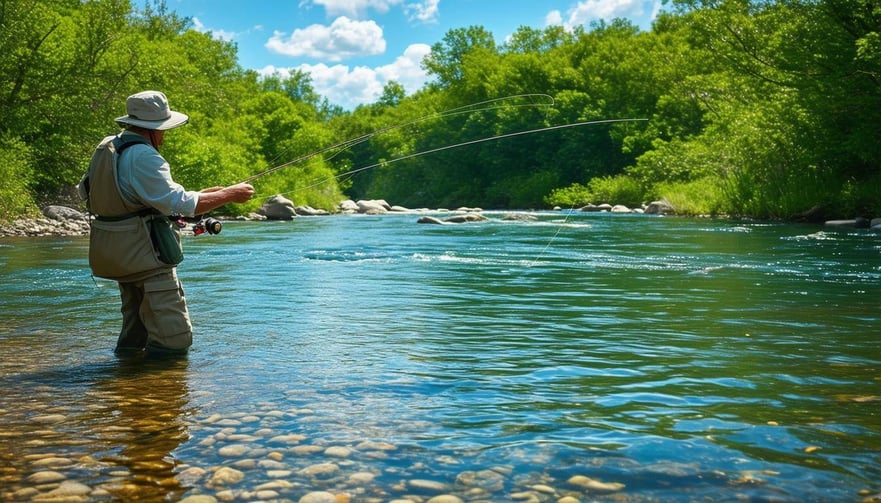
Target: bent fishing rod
481,106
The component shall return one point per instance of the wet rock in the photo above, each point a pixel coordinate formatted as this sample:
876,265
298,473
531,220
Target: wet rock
62,213
49,419
308,211
348,206
620,208
320,470
46,477
373,207
361,478
594,484
368,445
319,497
304,450
226,476
288,439
191,475
458,219
446,498
429,485
233,451
199,498
338,452
65,491
488,480
278,207
659,208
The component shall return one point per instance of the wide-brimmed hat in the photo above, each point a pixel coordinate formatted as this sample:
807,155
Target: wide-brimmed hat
149,109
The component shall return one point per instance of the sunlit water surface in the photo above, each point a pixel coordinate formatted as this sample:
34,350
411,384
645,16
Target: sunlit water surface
595,357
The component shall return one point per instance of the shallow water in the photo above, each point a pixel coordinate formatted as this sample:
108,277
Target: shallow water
591,356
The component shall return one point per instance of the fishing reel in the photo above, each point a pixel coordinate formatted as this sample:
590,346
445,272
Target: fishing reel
207,224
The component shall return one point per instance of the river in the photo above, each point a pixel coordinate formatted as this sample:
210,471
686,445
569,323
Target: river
561,357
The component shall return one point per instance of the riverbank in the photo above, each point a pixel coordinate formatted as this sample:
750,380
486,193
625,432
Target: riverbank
63,221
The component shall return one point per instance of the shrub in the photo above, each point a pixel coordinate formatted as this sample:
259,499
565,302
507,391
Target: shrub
16,171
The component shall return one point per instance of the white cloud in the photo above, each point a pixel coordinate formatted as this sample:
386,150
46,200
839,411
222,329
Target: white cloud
584,12
343,39
553,18
215,34
356,9
422,12
350,87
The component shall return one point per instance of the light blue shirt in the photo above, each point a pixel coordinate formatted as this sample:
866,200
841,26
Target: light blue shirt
145,178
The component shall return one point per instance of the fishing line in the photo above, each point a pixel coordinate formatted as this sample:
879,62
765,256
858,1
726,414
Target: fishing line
463,144
493,104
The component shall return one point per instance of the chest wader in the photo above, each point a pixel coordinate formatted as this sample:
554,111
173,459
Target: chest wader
121,248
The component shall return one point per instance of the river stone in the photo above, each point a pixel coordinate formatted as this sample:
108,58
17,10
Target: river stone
66,489
485,479
49,419
373,207
62,213
338,452
659,208
543,489
46,477
199,498
369,445
348,206
288,439
320,470
233,451
191,475
278,208
225,476
275,484
53,461
318,497
446,498
594,484
306,449
361,478
430,485
271,464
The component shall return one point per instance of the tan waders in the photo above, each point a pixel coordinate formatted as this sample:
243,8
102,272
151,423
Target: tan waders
154,317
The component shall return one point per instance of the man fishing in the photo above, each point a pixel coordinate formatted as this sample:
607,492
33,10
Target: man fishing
129,189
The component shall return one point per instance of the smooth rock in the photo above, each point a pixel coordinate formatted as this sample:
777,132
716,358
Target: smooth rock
226,476
46,477
320,470
594,484
446,498
318,497
199,498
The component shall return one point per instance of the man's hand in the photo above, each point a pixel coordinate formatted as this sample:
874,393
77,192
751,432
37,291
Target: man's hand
241,192
215,197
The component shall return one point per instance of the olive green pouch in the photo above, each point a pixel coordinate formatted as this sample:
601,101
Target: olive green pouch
166,240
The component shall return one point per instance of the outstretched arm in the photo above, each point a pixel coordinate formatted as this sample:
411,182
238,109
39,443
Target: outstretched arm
216,197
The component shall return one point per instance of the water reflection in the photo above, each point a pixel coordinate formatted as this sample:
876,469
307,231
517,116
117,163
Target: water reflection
112,426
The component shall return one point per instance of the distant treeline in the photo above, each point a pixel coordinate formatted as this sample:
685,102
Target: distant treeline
761,109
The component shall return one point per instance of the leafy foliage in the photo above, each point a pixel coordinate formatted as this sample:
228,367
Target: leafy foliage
763,109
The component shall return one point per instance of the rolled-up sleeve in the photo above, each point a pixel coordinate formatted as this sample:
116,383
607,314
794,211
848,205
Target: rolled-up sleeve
145,178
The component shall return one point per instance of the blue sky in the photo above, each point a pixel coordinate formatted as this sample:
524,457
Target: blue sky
352,48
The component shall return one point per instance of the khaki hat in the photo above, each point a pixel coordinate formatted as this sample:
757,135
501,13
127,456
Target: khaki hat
149,109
